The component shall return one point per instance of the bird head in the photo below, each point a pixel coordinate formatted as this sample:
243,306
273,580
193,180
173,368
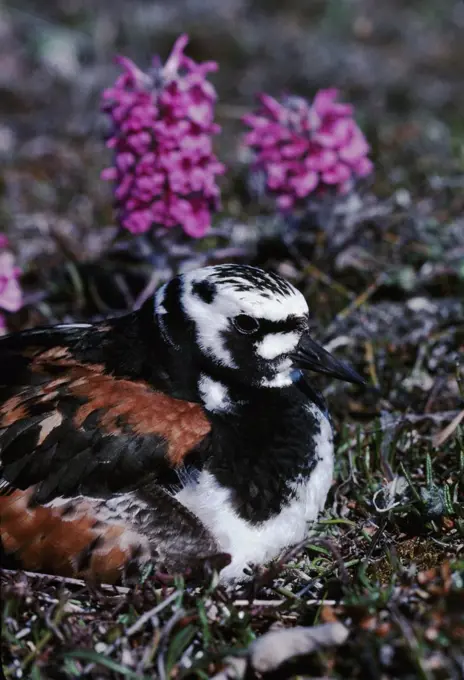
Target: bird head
239,324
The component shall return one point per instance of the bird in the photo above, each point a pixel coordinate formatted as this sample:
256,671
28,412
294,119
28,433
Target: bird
184,430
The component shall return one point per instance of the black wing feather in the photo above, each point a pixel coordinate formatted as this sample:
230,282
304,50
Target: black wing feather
45,442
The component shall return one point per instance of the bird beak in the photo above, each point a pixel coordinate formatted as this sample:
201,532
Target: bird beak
312,357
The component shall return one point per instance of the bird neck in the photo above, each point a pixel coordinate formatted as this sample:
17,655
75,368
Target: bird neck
271,442
134,347
262,441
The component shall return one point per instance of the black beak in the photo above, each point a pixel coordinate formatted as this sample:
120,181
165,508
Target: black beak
312,357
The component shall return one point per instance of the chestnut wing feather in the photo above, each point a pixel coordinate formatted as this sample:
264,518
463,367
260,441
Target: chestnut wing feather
68,427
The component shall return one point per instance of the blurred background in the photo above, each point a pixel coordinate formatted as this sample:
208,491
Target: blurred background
400,63
382,270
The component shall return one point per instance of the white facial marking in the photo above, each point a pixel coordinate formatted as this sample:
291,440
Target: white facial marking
257,544
214,394
159,299
211,319
279,380
232,297
258,302
283,375
275,344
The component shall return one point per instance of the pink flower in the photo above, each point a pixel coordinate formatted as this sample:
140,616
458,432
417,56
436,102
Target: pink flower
164,169
10,290
304,148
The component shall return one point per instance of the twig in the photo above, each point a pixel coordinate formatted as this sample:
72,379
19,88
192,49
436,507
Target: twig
150,613
149,289
343,572
278,603
437,386
45,638
163,642
122,590
344,576
51,624
141,621
375,540
370,359
258,603
328,281
358,301
441,437
411,418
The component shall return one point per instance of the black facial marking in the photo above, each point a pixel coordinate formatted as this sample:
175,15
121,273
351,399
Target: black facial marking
205,290
287,325
246,324
172,296
175,320
243,278
242,344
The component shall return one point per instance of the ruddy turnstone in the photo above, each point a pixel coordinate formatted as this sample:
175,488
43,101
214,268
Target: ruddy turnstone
182,430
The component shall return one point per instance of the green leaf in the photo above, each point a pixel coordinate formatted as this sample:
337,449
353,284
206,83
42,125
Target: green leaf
204,622
92,656
179,644
35,673
447,501
428,470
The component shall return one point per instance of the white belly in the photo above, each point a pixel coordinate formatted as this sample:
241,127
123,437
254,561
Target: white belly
257,544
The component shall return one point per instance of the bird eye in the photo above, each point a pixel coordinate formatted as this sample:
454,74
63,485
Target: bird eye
246,324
